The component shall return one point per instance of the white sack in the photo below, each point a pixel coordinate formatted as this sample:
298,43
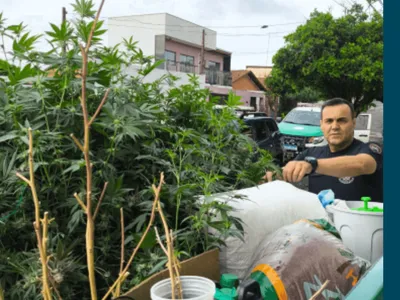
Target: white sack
269,207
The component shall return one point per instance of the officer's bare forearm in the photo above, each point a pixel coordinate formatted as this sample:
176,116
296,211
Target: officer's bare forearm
347,166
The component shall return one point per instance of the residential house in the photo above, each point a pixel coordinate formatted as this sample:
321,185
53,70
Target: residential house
252,91
181,43
249,87
261,72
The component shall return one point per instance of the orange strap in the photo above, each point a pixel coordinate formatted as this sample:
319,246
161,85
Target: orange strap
319,226
274,279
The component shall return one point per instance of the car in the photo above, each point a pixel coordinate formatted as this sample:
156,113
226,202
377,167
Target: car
364,130
265,132
300,130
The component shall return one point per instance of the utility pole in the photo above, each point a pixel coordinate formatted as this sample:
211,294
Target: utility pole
64,19
202,52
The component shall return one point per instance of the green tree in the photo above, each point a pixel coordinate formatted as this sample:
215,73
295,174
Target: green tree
340,57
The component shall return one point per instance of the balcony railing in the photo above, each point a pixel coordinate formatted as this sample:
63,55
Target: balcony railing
213,76
181,67
218,77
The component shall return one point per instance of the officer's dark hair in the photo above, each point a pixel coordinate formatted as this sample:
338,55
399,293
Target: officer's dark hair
338,101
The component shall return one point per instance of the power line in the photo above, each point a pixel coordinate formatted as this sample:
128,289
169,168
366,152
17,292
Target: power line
210,26
195,26
252,53
199,31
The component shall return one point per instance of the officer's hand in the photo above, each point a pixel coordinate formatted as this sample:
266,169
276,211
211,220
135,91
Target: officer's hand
268,177
295,171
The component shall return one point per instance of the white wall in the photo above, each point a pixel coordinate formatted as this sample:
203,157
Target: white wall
143,29
190,32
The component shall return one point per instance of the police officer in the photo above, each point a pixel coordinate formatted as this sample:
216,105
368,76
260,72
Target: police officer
350,168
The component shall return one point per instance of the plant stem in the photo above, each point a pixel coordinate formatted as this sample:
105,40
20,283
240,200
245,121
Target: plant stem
170,253
39,85
41,240
46,172
121,268
178,182
61,100
86,153
103,192
122,276
320,290
4,50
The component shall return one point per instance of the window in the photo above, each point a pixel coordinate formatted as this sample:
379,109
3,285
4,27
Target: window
261,131
253,102
186,63
272,126
303,117
214,65
186,59
170,58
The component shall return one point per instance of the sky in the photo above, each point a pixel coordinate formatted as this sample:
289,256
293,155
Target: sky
250,45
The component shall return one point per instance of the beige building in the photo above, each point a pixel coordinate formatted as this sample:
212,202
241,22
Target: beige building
261,72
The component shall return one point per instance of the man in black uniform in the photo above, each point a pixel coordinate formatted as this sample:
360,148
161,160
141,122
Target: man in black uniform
350,168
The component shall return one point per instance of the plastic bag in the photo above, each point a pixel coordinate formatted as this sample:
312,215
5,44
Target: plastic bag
326,197
296,260
268,207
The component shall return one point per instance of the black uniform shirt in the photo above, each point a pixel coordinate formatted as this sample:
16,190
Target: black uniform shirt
348,188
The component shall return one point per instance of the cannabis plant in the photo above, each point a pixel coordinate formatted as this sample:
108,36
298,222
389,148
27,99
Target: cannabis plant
142,129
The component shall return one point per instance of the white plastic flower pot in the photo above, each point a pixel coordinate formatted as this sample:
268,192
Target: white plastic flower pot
193,287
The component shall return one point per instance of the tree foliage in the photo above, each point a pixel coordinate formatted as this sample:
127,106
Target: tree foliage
340,57
143,129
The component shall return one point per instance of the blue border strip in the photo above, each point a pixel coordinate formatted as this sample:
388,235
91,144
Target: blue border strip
391,153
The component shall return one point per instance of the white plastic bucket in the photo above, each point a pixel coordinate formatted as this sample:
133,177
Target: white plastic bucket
193,287
361,232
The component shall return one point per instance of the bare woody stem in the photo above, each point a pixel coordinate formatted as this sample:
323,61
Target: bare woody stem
99,107
176,268
85,148
79,200
121,267
317,293
41,242
175,263
76,142
160,242
46,289
170,253
122,276
100,199
94,26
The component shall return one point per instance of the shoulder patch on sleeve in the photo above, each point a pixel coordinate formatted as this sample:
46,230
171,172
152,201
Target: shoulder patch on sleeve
375,148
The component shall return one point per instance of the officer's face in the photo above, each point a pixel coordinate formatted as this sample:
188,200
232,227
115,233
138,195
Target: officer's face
338,125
